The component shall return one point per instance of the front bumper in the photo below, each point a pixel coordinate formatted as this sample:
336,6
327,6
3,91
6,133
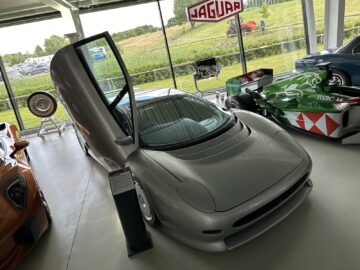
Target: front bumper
222,231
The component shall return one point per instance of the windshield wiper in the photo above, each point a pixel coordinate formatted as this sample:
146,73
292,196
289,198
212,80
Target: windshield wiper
119,97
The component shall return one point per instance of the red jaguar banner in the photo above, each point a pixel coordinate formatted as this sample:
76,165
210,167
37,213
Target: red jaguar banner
213,10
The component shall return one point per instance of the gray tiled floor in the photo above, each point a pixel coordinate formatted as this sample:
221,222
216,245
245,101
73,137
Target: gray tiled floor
323,233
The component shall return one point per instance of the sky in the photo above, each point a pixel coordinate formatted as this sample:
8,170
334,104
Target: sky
24,38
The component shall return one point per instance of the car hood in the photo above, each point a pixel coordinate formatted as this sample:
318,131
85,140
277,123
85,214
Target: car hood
234,167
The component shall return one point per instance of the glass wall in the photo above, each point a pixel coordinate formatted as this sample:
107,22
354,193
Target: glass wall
27,57
351,20
189,42
280,41
319,11
137,33
6,111
273,34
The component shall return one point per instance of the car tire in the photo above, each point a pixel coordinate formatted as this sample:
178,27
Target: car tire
46,208
340,78
147,210
81,140
48,214
242,101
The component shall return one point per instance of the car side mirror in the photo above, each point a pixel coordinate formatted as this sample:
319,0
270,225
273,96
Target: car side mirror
124,141
18,146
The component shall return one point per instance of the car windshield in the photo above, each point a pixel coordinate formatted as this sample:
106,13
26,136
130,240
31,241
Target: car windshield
178,121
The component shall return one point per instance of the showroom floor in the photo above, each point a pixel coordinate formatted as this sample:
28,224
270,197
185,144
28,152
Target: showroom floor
323,233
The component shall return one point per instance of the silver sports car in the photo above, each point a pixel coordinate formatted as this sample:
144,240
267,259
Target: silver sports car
212,178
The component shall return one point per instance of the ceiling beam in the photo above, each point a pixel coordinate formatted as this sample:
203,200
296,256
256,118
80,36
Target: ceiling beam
8,15
60,5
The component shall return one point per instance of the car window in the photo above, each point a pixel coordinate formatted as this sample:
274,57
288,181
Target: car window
104,67
356,50
179,120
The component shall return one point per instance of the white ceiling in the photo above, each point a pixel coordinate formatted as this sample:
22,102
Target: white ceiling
22,11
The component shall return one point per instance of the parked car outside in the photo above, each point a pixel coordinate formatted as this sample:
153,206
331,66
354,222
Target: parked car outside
345,63
33,69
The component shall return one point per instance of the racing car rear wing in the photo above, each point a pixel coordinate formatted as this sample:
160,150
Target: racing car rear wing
252,81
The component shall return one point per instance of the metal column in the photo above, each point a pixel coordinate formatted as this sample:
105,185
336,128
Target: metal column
11,95
167,44
241,44
68,11
309,24
334,23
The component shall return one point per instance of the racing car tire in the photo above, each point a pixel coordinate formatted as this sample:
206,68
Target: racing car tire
341,77
242,101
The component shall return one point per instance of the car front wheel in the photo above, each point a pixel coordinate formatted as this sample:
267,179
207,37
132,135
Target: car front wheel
146,208
81,141
339,78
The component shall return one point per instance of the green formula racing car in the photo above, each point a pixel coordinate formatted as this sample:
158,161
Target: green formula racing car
309,102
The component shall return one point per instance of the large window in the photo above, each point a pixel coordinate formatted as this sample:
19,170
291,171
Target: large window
189,42
319,11
137,33
281,42
273,35
352,19
6,110
27,57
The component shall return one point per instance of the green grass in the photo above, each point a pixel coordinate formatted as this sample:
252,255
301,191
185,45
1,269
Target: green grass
29,120
280,64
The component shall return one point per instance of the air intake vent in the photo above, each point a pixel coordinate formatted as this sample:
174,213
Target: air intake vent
271,205
17,193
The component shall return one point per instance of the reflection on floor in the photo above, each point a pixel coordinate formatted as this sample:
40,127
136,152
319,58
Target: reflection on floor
323,233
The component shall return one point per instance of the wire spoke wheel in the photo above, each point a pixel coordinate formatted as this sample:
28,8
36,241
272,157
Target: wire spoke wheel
336,80
145,207
42,104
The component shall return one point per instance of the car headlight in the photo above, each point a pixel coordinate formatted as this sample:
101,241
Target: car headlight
196,195
17,191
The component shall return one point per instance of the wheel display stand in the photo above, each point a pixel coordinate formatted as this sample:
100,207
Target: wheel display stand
43,105
50,125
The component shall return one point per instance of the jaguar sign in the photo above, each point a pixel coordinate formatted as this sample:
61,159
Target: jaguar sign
213,10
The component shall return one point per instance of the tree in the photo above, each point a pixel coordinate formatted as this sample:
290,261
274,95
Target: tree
38,51
171,22
264,11
14,58
179,10
54,43
140,30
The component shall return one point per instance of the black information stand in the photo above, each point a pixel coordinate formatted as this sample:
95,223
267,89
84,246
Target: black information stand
127,205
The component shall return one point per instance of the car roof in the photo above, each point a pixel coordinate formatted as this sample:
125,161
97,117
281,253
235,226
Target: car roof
153,94
348,48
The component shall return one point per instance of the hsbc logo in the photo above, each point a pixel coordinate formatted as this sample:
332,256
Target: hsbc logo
325,98
214,10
